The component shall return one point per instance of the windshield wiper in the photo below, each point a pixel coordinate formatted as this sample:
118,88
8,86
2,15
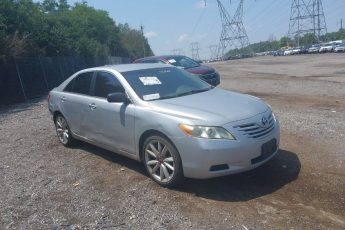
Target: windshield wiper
185,93
194,91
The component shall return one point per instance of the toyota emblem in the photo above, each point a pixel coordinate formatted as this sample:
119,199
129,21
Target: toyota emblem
264,122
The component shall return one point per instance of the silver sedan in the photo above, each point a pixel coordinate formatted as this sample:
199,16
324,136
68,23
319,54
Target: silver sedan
176,124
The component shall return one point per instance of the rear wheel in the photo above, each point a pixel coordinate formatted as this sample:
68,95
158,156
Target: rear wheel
62,130
162,161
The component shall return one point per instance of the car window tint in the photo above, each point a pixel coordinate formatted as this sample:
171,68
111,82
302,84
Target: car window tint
150,61
106,83
69,87
82,83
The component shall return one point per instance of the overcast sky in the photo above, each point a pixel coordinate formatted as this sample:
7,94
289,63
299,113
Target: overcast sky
174,24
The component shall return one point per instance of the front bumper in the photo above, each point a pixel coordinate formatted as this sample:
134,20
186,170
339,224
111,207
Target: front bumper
212,79
206,158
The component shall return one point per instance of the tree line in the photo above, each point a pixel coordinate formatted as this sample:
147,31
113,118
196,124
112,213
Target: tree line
55,28
272,45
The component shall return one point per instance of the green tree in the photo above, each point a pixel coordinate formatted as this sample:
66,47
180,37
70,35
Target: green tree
49,6
284,41
55,28
63,5
134,42
308,39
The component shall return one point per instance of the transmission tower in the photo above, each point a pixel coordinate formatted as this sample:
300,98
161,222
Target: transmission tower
307,16
213,50
233,33
195,50
177,52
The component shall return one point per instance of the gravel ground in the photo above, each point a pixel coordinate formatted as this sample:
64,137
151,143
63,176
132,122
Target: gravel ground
47,186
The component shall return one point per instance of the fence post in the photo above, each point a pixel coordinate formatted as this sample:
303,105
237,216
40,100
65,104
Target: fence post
44,74
20,80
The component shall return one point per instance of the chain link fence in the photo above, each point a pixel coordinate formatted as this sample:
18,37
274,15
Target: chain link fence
23,79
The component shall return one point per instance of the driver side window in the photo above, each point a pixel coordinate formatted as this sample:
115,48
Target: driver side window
105,84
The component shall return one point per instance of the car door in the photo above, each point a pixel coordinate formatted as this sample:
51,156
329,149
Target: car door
110,124
74,102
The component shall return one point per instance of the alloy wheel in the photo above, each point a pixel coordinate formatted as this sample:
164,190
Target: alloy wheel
62,130
159,161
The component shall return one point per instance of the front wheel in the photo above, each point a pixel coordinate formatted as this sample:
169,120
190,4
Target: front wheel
162,161
62,130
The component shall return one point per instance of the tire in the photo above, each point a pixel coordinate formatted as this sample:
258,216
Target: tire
162,161
62,130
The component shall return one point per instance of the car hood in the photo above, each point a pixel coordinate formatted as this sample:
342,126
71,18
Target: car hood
202,69
213,107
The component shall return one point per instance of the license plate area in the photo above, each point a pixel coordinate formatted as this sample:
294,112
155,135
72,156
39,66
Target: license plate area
267,150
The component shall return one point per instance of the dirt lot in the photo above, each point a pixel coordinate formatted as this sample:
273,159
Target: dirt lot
47,186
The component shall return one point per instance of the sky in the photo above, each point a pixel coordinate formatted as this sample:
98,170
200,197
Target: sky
175,24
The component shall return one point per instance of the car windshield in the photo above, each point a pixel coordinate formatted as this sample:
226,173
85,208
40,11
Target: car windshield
182,61
164,83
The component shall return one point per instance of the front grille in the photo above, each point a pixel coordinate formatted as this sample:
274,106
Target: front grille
256,130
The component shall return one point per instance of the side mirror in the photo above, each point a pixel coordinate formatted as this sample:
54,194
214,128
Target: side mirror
117,98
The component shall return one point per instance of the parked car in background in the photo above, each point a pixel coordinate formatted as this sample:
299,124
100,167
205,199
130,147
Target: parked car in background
288,52
329,47
314,48
296,50
339,48
176,124
206,73
304,49
278,53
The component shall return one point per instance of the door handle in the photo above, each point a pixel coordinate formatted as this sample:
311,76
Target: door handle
63,98
92,106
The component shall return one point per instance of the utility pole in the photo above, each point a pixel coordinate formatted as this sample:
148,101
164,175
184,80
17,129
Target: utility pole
143,41
233,33
195,50
341,24
307,16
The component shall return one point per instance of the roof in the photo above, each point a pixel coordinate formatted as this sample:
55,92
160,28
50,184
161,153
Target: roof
130,67
166,57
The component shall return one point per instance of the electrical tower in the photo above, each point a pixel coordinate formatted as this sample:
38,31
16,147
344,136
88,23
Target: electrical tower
195,50
233,33
213,50
306,17
177,52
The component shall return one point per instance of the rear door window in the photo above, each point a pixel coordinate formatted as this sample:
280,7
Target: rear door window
80,84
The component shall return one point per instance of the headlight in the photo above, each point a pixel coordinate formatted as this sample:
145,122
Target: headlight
207,132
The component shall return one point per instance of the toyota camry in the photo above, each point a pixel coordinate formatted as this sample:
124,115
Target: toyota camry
176,124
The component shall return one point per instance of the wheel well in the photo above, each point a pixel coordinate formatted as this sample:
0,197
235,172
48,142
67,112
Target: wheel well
147,134
55,114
